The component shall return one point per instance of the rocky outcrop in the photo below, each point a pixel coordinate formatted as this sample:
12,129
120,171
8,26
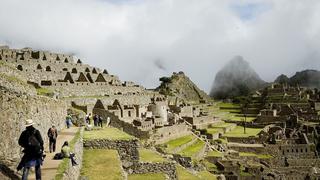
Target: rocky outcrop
234,79
179,85
306,78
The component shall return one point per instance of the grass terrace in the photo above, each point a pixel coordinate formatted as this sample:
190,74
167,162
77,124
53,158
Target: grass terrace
184,174
151,176
215,154
241,118
261,156
101,164
192,149
171,145
147,155
206,175
107,133
238,132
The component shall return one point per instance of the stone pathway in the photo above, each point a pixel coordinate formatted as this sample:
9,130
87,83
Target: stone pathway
50,166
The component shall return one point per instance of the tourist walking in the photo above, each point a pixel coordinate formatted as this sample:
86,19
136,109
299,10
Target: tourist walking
52,135
68,121
95,120
99,121
31,140
108,121
88,120
65,151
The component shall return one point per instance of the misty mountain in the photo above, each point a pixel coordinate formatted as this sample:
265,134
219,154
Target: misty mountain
307,78
234,79
179,85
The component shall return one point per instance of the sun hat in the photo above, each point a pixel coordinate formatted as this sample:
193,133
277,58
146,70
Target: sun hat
29,122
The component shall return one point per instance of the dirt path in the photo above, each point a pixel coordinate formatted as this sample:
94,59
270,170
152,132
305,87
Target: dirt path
50,166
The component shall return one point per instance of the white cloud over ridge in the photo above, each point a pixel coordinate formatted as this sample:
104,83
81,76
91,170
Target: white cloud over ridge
142,40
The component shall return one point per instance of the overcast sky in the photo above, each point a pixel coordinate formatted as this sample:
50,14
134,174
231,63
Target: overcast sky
142,40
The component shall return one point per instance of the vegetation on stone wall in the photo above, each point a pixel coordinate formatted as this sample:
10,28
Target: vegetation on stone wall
65,162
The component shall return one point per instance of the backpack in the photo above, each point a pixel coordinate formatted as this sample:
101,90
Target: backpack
34,143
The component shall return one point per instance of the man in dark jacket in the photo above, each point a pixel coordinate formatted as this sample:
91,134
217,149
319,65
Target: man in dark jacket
52,135
31,140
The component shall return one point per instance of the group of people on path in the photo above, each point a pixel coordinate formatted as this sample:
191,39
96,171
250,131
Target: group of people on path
97,120
33,149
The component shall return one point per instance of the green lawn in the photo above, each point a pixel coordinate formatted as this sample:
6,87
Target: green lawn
241,118
101,164
261,156
222,125
228,105
147,155
171,145
238,132
151,176
183,174
215,154
44,91
192,149
206,175
107,133
214,130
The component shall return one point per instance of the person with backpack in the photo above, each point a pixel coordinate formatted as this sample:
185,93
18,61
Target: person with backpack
31,140
52,135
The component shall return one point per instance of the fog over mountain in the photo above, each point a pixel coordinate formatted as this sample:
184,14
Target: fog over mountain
308,78
234,79
142,40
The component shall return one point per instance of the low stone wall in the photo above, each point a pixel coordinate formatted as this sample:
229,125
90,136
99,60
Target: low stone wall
167,168
184,146
73,172
168,133
127,149
129,156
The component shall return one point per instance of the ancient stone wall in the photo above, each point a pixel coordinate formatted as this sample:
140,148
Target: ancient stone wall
18,105
167,133
73,172
167,168
129,156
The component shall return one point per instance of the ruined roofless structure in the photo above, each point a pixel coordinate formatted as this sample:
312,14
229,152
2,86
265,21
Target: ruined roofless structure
65,74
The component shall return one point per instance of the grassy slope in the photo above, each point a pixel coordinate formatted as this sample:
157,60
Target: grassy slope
107,133
151,176
101,164
178,142
192,149
238,132
147,155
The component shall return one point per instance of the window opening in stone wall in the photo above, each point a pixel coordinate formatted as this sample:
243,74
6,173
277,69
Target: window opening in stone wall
48,68
19,67
39,66
66,60
74,70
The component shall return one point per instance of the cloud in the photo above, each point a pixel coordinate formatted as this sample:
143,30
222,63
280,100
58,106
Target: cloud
198,37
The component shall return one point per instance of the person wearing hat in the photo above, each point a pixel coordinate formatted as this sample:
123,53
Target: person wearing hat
52,135
31,140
